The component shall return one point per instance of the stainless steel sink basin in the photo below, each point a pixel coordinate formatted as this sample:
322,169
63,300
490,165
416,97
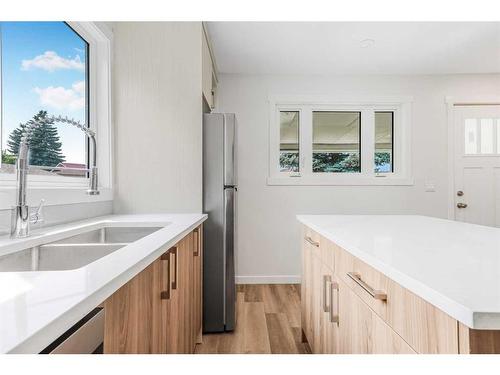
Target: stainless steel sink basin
111,235
74,251
55,257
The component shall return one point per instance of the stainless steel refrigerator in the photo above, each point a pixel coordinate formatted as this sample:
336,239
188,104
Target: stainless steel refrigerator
219,189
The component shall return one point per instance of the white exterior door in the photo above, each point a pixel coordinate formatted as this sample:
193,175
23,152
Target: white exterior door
477,164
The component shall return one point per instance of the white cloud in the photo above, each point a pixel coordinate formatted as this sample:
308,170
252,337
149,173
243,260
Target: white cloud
62,98
51,61
79,87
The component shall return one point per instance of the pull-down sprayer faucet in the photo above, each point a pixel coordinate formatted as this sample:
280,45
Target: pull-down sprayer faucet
21,218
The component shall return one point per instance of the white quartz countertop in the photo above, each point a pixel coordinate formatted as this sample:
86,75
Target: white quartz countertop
454,266
37,307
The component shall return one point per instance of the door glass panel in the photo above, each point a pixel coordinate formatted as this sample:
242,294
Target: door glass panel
336,142
384,145
486,136
498,135
470,134
289,141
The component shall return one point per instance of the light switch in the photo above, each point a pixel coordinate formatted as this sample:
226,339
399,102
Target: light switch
430,186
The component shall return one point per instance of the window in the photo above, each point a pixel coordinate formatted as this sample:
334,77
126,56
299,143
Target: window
336,142
44,73
384,142
487,136
498,135
470,133
62,68
481,136
289,141
320,141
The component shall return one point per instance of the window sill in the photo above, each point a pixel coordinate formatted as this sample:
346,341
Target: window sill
341,181
53,196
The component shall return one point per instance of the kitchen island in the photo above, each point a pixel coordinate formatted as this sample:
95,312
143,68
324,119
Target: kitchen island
422,284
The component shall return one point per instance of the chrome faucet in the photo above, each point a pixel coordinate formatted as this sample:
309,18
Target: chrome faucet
21,217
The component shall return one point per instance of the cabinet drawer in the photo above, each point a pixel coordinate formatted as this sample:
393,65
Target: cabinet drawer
327,253
312,240
426,328
369,284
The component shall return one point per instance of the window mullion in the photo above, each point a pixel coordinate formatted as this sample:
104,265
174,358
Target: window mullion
367,142
306,141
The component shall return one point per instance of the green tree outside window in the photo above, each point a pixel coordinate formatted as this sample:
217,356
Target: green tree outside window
45,146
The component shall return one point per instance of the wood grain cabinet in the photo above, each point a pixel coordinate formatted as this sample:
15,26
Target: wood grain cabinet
350,308
159,310
208,72
361,330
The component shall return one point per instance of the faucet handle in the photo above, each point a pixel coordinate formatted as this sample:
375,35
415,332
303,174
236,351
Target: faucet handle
37,216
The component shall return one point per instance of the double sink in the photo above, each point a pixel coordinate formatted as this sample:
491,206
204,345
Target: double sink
73,252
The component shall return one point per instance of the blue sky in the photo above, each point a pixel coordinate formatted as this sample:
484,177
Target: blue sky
43,67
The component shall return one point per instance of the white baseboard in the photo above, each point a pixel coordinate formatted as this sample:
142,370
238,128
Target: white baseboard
280,279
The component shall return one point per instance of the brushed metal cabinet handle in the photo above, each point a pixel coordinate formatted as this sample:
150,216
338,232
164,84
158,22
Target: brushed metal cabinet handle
165,294
326,279
376,294
310,240
334,318
176,265
197,242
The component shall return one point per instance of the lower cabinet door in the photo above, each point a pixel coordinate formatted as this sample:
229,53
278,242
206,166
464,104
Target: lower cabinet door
190,299
361,331
316,309
329,320
306,292
197,287
180,318
182,310
129,324
159,310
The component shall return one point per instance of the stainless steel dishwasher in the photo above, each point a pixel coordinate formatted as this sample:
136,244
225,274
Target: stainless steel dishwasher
85,337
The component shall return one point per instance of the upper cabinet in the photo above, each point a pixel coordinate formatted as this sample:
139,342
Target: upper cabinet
209,75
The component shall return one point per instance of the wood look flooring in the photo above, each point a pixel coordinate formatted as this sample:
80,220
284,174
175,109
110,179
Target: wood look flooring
267,322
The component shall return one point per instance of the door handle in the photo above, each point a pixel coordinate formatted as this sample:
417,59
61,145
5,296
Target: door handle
461,205
310,240
334,318
165,258
197,240
326,279
176,266
376,294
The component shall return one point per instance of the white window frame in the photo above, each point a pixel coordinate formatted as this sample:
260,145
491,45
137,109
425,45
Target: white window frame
306,105
63,189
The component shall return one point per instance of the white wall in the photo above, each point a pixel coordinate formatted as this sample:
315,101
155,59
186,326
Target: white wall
268,234
61,213
157,116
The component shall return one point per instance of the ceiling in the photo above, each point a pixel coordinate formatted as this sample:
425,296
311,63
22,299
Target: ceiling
356,47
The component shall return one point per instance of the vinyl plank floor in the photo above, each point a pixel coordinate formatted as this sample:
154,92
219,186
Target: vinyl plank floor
280,334
267,322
